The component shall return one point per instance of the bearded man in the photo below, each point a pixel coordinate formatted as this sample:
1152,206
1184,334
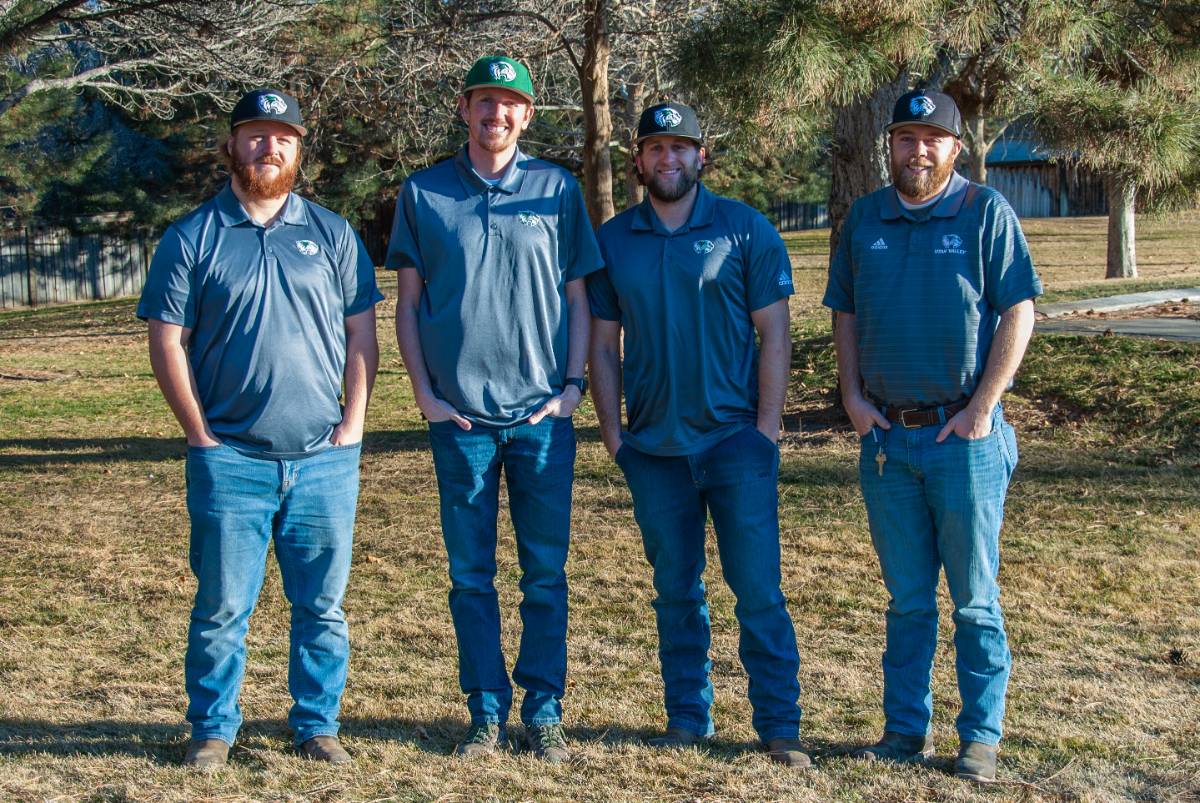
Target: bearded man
262,338
490,249
692,278
933,289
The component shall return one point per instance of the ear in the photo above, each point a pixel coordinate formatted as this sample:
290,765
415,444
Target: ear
462,107
528,117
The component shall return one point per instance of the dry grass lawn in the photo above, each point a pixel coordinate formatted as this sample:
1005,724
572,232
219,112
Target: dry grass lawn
1101,555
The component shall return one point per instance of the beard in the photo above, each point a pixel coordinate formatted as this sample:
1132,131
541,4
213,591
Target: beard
671,190
256,185
922,187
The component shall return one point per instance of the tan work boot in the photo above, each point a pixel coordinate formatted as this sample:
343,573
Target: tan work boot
899,748
206,755
325,748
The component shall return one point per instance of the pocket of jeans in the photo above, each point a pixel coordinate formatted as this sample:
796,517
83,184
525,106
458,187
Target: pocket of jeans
773,444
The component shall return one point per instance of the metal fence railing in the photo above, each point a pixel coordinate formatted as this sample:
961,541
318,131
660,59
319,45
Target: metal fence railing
791,216
42,265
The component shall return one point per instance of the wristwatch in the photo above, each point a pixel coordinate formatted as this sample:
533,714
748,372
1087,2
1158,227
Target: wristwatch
579,382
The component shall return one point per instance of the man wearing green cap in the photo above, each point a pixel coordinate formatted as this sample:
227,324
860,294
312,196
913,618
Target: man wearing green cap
490,248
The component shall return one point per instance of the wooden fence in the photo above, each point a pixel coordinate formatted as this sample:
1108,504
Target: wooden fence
41,265
790,216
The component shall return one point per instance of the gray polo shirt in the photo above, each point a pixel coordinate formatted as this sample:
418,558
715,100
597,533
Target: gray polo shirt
495,261
927,287
267,310
684,299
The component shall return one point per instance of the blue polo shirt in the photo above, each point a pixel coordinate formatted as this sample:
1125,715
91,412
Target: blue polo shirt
495,260
927,288
684,299
267,310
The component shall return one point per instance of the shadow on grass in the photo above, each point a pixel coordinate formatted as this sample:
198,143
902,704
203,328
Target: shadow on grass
84,451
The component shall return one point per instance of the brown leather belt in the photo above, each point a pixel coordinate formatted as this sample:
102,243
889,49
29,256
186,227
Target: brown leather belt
913,417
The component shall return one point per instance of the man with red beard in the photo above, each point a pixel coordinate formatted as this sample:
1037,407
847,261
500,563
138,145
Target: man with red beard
697,282
490,248
262,337
933,287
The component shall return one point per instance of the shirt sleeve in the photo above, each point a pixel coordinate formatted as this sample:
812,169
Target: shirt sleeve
769,270
839,290
403,251
169,294
582,252
602,296
357,271
1009,275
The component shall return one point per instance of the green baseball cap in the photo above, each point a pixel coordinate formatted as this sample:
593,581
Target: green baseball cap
502,72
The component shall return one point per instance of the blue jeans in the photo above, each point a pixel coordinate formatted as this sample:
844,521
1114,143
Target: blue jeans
539,467
737,482
941,505
238,505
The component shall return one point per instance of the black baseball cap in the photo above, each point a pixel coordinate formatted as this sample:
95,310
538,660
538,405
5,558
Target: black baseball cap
927,107
670,119
267,104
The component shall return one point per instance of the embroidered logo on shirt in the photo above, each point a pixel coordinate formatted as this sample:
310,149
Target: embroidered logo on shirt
307,247
528,218
879,245
703,246
951,244
784,280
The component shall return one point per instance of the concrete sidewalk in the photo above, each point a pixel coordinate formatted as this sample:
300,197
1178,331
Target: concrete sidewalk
1168,328
1115,303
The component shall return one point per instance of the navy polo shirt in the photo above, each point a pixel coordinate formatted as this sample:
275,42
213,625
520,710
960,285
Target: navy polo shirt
927,288
684,300
495,260
267,310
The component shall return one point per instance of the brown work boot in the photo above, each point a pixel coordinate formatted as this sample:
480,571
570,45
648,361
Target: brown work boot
788,752
676,738
482,739
324,748
548,742
206,755
976,762
899,748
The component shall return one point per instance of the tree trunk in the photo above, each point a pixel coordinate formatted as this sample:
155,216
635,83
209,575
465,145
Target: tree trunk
1122,260
975,129
634,101
597,115
859,152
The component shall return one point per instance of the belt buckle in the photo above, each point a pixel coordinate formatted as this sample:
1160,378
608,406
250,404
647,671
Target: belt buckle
903,421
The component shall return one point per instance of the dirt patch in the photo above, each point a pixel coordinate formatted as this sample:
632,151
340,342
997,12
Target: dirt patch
1187,308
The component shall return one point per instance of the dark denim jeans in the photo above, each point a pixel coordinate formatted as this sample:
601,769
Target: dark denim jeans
238,505
539,467
940,505
737,482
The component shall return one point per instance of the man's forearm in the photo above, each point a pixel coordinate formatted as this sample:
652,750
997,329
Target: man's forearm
173,371
362,363
579,323
774,364
1004,355
845,343
604,367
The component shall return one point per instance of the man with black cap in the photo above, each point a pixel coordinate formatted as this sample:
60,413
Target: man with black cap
262,337
490,248
692,278
933,287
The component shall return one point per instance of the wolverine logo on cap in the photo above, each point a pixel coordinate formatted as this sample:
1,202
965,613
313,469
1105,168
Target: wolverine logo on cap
502,71
668,118
272,104
921,106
